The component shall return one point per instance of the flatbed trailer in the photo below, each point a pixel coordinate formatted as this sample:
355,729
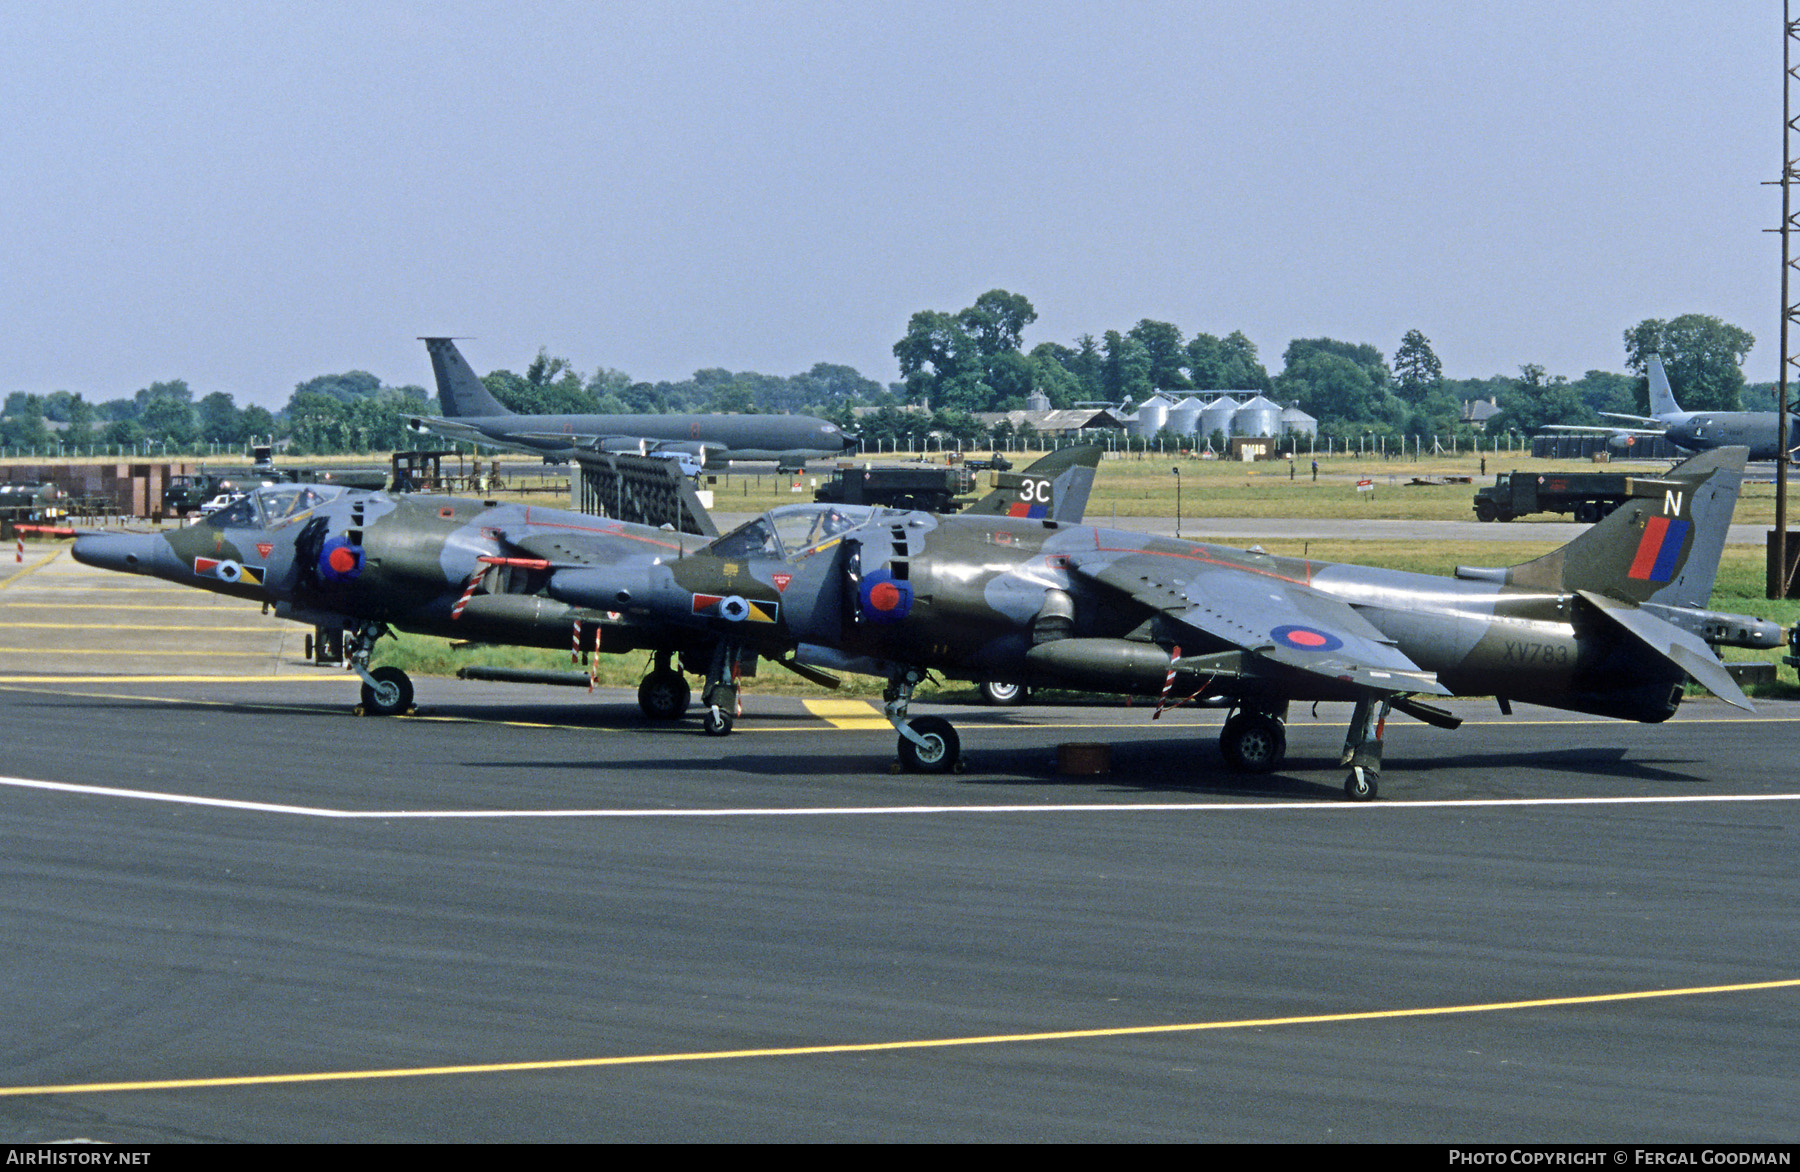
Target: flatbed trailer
1588,495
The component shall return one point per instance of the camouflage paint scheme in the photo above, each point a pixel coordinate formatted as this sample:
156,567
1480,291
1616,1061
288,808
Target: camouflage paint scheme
1609,624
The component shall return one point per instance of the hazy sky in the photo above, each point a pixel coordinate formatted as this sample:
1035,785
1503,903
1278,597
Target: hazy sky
248,195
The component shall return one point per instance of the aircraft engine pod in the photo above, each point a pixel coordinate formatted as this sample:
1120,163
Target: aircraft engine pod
1101,665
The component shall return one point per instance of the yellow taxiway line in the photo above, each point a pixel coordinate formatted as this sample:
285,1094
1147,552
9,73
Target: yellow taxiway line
880,1047
261,629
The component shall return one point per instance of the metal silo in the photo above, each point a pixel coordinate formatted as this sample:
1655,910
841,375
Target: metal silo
1299,422
1216,416
1259,416
1152,417
1184,417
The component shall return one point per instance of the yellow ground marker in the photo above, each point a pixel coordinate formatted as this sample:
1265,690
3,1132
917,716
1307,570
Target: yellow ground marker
847,713
27,571
877,1047
262,629
123,653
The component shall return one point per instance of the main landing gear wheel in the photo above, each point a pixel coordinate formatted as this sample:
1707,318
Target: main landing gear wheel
1361,785
1253,742
939,752
390,694
1001,693
664,695
717,721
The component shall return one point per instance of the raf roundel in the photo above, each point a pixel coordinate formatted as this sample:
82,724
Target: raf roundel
1300,638
339,561
884,599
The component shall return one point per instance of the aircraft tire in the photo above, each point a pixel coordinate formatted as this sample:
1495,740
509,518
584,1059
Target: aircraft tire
1001,693
664,695
1361,785
391,695
939,752
717,722
1253,742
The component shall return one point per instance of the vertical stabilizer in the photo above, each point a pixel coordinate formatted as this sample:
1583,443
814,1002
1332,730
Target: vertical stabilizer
1662,398
459,391
1054,488
1662,549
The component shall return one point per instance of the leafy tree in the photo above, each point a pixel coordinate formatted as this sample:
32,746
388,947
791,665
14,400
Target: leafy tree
1534,400
1703,357
1417,371
970,360
22,421
345,388
1228,364
1125,370
166,411
220,422
1167,352
1361,353
257,422
997,321
940,361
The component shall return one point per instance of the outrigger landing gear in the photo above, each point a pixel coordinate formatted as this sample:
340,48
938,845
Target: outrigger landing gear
928,744
664,693
1254,740
1362,747
386,691
720,693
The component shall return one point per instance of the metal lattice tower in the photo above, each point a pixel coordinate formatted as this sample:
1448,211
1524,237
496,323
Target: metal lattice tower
1781,579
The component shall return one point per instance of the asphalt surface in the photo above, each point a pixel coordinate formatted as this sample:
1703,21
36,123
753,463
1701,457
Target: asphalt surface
527,914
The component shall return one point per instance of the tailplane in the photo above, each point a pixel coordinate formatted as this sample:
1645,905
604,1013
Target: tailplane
459,390
1054,488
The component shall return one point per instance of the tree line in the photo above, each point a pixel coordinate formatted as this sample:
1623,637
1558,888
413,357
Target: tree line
953,366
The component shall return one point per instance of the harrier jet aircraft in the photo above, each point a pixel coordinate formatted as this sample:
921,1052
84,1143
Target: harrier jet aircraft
472,415
365,561
1696,431
1612,623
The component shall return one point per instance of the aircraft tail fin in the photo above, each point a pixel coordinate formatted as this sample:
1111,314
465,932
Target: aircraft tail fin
1054,488
1664,550
459,390
1662,398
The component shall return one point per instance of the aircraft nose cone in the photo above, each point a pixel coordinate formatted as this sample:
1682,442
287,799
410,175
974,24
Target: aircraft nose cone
131,553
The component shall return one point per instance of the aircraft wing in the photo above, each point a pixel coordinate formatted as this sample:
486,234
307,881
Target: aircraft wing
1582,429
438,425
1280,620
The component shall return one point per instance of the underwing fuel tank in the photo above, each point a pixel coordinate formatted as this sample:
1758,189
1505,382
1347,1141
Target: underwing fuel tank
1100,665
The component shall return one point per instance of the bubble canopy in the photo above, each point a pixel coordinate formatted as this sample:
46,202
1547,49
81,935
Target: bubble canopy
792,531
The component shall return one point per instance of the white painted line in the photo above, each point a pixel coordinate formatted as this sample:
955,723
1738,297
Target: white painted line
855,811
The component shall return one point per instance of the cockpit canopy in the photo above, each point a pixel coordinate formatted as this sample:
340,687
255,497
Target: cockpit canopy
273,504
792,531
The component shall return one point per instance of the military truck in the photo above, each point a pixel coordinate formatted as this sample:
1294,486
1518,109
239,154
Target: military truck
1588,495
28,503
927,487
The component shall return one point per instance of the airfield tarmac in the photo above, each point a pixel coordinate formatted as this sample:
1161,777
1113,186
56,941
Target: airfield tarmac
236,912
